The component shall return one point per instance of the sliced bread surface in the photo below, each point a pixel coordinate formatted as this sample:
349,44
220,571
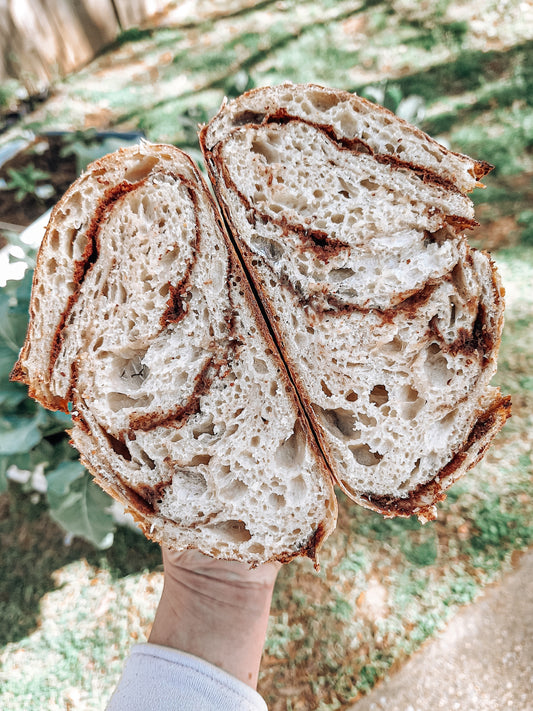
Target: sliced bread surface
142,320
350,223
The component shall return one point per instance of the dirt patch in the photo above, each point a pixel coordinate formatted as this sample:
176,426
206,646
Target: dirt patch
42,173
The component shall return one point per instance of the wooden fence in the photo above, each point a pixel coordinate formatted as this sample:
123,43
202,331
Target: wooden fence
43,39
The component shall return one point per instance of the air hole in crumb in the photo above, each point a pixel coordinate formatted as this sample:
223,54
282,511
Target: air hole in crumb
379,395
364,419
291,452
262,148
337,275
233,531
132,371
200,459
119,401
244,117
339,422
394,346
191,479
369,184
411,410
206,428
409,394
448,420
146,459
118,446
141,169
276,501
260,366
236,490
297,487
54,240
436,366
325,389
257,548
365,456
323,100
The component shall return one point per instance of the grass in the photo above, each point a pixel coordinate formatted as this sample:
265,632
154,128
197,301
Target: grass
385,585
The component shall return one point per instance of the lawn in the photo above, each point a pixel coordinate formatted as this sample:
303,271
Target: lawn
69,612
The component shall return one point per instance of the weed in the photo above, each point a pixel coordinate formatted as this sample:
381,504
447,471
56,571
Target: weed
131,35
367,677
421,554
341,609
26,181
496,530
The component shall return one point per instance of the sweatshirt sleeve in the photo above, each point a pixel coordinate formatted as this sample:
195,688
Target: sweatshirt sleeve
158,678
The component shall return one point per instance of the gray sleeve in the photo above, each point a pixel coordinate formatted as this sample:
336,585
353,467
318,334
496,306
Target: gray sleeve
158,678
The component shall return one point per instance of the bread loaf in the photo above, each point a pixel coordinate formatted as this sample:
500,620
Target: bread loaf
351,225
142,320
342,330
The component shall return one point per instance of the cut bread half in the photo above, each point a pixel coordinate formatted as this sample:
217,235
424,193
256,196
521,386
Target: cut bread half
142,321
350,223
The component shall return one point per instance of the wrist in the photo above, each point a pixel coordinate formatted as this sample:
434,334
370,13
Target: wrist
217,611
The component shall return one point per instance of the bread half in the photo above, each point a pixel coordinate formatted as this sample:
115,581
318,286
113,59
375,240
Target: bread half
142,321
350,223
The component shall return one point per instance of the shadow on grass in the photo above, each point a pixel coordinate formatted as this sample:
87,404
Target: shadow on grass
33,549
220,62
471,70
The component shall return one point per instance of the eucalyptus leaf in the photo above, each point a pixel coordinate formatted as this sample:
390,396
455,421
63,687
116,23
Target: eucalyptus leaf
11,394
8,357
55,422
79,506
14,300
60,479
19,434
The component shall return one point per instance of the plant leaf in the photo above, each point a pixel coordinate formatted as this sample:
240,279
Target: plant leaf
19,434
60,480
78,505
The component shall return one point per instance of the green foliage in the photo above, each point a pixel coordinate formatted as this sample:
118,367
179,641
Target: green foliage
31,436
132,34
25,181
8,93
451,33
421,554
79,505
497,528
368,674
525,220
87,146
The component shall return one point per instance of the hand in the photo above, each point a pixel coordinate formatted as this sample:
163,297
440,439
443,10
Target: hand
215,609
